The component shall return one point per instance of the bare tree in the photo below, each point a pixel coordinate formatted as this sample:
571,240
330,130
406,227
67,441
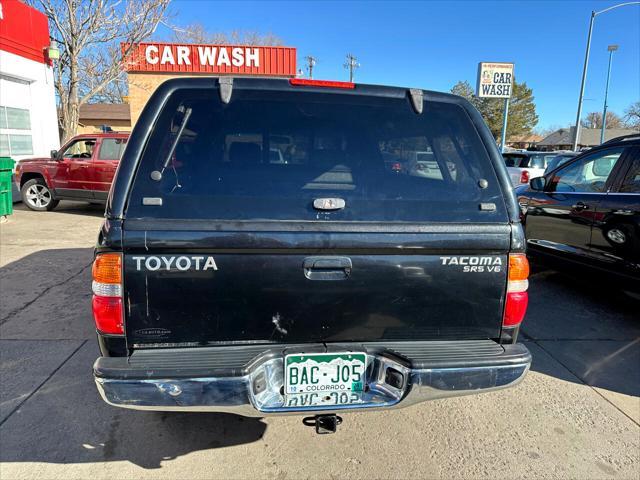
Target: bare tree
632,116
197,33
594,120
90,34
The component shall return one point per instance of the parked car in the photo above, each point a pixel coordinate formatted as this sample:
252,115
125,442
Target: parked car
523,166
81,170
423,164
587,212
333,283
559,160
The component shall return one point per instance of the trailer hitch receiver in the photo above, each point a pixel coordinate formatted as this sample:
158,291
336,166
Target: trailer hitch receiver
324,423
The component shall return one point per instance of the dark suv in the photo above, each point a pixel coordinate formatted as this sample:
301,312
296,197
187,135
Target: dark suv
82,169
328,280
586,212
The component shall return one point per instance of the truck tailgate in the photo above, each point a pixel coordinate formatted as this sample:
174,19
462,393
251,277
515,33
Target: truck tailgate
190,284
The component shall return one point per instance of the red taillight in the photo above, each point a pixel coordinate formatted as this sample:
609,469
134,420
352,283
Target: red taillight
107,293
303,82
107,313
524,177
396,167
517,285
515,308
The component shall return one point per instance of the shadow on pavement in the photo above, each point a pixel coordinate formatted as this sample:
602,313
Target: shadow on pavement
591,329
146,441
47,273
66,421
166,436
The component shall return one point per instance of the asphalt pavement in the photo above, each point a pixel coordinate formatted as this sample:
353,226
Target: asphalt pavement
576,415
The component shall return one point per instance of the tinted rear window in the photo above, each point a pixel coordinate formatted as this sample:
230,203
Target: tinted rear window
536,160
511,160
269,155
540,160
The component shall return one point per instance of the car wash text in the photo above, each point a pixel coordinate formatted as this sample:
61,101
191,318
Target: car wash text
500,87
205,55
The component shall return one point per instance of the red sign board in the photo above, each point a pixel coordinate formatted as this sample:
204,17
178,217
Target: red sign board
24,31
212,59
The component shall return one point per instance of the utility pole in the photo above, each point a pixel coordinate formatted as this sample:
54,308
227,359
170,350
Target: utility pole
611,48
351,64
311,62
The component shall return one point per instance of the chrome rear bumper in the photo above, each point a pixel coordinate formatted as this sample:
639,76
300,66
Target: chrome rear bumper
392,382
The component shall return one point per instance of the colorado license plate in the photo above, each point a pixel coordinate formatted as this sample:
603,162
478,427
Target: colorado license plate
325,372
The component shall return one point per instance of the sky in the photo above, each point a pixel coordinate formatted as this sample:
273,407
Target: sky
434,44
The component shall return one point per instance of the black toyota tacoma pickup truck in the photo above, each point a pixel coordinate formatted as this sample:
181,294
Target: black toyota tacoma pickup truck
291,246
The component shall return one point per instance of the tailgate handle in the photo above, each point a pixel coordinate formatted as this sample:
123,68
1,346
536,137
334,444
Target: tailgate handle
327,268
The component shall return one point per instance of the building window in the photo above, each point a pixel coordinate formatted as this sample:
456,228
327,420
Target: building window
4,146
20,145
17,118
15,138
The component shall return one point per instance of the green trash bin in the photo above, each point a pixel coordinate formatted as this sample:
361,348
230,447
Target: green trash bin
6,172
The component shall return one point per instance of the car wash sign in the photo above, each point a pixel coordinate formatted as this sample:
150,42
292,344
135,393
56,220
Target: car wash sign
211,59
495,80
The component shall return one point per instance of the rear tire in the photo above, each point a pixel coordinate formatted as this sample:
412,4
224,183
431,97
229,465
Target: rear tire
37,196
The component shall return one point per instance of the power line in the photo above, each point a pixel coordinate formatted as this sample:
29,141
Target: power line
311,62
351,64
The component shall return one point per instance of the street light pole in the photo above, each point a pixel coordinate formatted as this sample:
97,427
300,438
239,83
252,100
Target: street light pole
576,137
611,48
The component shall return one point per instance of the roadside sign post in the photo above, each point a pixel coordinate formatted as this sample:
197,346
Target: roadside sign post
495,80
503,136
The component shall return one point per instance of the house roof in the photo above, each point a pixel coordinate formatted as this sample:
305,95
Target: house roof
527,138
588,136
105,111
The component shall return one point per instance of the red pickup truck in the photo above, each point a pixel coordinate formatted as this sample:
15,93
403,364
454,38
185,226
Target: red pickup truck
81,170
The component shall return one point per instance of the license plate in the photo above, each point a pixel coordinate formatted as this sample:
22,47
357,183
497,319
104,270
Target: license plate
325,372
301,400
